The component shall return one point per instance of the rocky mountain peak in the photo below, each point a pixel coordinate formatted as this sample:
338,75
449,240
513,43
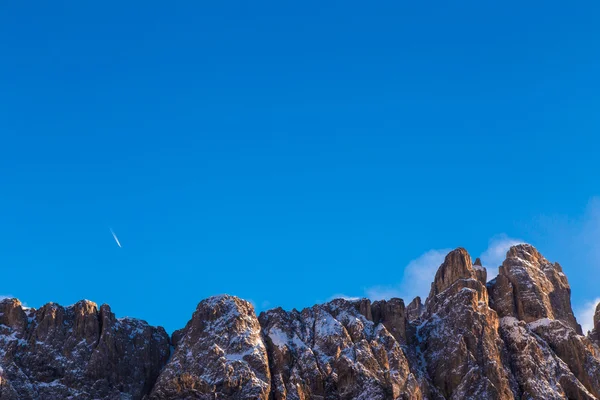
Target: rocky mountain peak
529,287
526,252
457,265
58,352
220,354
414,309
458,336
595,333
512,338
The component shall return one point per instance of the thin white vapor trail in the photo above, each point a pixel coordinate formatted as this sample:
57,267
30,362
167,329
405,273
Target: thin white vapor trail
116,238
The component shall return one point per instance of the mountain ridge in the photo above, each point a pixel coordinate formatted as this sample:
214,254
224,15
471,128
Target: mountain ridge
514,337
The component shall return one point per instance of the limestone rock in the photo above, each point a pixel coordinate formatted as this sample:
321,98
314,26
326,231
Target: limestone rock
334,351
457,265
414,309
392,314
77,352
536,371
595,333
540,289
576,351
221,355
459,338
532,296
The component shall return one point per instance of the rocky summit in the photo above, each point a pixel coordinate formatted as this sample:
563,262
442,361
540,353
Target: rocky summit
514,337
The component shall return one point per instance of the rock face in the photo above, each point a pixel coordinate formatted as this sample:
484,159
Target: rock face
514,337
77,352
533,299
595,333
220,354
337,351
530,288
459,338
414,309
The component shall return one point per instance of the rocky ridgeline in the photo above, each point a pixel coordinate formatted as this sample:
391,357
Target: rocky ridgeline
514,337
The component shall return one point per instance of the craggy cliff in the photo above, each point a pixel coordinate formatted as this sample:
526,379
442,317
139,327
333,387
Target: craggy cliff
514,337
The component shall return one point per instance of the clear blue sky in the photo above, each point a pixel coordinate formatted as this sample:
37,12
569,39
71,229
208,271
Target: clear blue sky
285,152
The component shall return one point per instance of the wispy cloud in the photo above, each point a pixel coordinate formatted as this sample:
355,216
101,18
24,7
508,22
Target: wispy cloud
585,315
420,272
416,279
590,232
573,241
495,254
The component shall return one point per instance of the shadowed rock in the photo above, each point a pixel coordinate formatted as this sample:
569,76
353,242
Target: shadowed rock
414,309
77,352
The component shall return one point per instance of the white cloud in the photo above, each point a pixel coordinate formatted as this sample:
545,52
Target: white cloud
265,304
495,254
585,315
416,279
590,232
420,272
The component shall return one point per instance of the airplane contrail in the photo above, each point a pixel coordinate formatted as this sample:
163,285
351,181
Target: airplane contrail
116,238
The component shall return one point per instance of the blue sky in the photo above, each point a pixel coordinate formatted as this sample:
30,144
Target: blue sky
288,152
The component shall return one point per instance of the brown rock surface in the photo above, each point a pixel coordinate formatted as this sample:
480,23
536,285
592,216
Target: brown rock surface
459,338
582,358
414,309
540,289
512,338
536,371
595,333
457,265
533,297
333,351
392,314
77,352
220,355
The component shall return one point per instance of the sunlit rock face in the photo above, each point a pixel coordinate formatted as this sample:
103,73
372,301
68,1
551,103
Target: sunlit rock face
531,287
458,336
514,337
549,358
595,333
220,355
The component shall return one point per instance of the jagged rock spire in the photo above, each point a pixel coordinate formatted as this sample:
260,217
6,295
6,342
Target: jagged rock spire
595,333
529,287
414,309
457,265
